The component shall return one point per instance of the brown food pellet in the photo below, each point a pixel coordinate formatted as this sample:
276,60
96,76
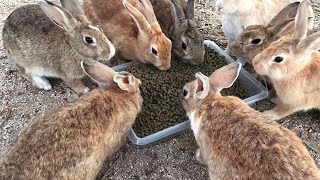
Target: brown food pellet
161,91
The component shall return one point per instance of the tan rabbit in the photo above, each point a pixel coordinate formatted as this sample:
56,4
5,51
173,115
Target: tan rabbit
72,142
46,40
176,18
132,26
255,38
238,142
293,65
239,14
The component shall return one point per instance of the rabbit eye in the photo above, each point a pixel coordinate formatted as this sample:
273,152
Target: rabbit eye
155,52
256,41
184,46
278,59
89,40
184,93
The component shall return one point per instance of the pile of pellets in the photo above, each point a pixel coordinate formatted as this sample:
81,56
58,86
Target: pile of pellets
161,91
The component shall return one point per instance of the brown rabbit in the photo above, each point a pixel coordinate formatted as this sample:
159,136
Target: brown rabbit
176,18
47,40
237,142
132,26
73,142
293,65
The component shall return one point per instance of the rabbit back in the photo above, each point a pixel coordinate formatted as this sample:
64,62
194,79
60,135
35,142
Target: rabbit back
73,142
241,142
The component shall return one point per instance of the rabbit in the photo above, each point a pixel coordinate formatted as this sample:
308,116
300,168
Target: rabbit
72,142
255,38
177,23
46,40
133,28
238,142
292,63
239,14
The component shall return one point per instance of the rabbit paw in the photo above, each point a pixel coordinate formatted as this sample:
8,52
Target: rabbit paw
86,90
41,82
199,157
72,98
271,114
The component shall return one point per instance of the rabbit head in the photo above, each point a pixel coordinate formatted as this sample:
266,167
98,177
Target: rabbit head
232,6
187,42
196,91
106,76
290,54
255,38
84,37
155,46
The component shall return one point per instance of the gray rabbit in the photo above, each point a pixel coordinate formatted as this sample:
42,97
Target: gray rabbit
46,40
176,19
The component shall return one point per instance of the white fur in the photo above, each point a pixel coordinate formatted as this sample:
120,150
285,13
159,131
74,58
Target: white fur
195,123
40,71
112,49
41,82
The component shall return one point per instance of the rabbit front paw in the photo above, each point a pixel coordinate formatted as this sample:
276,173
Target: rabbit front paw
41,82
199,157
271,114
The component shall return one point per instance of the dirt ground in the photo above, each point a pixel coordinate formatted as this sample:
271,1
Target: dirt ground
170,159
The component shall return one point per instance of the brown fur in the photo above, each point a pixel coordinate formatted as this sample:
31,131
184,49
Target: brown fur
293,65
300,78
72,142
122,30
246,145
237,142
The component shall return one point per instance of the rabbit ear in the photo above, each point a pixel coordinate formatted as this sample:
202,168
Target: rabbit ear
310,43
74,7
284,28
287,13
58,15
148,10
202,87
137,16
190,10
301,21
224,77
177,13
127,81
98,72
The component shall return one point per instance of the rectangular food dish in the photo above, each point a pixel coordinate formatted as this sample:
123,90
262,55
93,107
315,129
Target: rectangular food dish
253,88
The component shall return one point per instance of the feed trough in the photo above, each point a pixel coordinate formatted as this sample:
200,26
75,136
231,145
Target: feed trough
253,89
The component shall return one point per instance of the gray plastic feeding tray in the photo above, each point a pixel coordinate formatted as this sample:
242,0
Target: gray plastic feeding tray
253,88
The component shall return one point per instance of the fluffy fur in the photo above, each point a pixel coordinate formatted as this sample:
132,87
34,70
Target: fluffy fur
237,142
176,18
133,28
72,142
296,76
46,40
